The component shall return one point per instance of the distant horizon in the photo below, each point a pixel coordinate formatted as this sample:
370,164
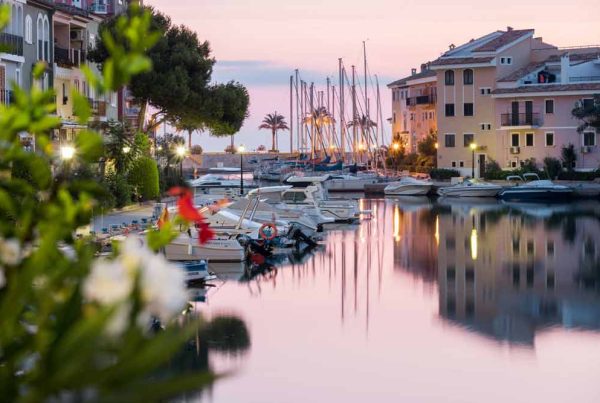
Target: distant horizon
311,35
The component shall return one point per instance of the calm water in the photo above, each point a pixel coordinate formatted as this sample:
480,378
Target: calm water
473,301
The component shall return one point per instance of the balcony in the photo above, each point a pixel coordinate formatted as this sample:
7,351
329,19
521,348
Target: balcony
12,44
98,107
69,57
520,120
101,7
6,97
583,79
421,100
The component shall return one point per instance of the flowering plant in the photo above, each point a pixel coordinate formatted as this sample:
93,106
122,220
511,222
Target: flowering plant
74,326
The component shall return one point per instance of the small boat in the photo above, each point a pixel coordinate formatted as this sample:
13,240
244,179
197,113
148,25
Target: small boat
349,183
220,249
196,270
216,185
531,187
471,188
408,186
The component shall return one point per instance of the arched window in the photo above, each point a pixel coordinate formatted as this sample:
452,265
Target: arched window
449,77
28,30
468,77
46,39
39,33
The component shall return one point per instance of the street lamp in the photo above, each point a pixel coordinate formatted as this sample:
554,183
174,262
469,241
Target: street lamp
241,150
473,147
396,148
180,151
126,149
67,153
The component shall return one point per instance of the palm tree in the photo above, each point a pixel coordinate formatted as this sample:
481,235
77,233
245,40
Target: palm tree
319,117
363,123
274,122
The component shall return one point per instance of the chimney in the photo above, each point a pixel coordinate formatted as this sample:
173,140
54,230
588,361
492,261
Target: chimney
565,64
539,38
413,72
509,28
451,47
423,67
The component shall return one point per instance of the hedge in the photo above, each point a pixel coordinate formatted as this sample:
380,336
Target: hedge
441,173
143,177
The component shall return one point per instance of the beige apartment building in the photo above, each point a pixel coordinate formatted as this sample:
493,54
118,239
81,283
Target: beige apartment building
510,94
413,107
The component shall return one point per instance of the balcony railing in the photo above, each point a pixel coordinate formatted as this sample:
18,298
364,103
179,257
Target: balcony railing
69,57
520,119
421,100
10,43
98,107
6,97
98,7
583,79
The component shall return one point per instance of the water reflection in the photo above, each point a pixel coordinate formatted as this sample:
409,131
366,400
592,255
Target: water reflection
385,308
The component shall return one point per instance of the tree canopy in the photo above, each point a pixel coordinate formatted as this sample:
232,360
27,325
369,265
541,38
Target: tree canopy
178,87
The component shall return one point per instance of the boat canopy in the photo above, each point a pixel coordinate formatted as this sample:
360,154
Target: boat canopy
268,189
307,179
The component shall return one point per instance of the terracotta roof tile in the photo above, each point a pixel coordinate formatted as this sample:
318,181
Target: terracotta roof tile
422,74
515,75
503,40
461,60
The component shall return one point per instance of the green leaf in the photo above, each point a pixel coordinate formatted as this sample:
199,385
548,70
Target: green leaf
89,145
81,107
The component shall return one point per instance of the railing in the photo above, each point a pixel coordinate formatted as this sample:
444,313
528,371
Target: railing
520,119
69,57
421,100
580,79
98,107
101,8
10,43
6,97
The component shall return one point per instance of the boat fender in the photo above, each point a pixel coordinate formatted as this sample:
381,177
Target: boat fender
270,234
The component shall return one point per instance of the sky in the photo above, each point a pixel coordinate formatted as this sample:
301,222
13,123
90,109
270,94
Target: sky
261,42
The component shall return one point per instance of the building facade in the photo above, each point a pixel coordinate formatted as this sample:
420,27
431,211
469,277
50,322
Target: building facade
414,107
11,54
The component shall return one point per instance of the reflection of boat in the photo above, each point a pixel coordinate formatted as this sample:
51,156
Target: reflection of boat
196,270
412,203
531,187
471,188
539,210
408,186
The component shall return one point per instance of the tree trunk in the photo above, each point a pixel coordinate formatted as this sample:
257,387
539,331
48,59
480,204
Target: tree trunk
273,140
190,139
142,116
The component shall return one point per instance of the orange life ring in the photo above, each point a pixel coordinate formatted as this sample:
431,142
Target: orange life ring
272,233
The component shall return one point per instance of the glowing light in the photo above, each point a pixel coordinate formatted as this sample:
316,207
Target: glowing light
473,146
436,145
474,244
436,235
67,152
396,146
241,149
126,149
180,150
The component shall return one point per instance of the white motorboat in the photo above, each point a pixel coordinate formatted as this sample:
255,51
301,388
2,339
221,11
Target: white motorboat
531,187
220,249
349,183
471,188
196,270
408,186
309,191
216,185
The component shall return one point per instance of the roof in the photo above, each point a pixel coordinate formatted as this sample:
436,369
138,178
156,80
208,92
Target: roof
517,74
461,60
582,55
503,40
423,74
548,88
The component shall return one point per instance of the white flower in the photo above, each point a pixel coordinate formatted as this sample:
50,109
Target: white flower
108,283
10,251
2,278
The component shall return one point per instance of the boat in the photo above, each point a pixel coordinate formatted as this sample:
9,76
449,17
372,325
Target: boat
210,184
223,248
196,270
531,187
471,188
349,183
408,186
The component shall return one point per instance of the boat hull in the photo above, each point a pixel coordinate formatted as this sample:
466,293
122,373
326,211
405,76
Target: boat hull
548,194
213,251
469,192
342,185
407,190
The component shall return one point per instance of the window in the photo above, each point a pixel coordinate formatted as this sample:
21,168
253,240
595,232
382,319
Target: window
468,77
461,164
549,139
506,60
589,139
550,248
516,246
468,139
453,164
514,139
489,126
468,109
28,30
449,109
449,77
513,163
485,90
530,247
449,140
529,139
549,106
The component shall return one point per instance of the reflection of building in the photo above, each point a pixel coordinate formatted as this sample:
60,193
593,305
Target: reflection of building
413,107
506,273
415,248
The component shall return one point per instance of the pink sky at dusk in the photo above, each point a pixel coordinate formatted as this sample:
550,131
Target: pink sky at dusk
261,42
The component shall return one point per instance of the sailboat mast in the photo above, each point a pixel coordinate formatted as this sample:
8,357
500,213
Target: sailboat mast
342,124
291,114
328,109
312,120
367,128
298,130
354,120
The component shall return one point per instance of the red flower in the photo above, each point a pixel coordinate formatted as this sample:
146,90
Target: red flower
185,205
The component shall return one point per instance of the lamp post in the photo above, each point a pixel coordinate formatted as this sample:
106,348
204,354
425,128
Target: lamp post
473,147
67,153
241,150
180,150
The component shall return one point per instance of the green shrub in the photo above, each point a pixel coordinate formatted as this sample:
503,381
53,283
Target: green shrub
120,189
493,170
442,173
143,178
552,167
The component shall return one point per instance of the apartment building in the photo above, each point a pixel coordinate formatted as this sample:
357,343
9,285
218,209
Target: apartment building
11,56
492,94
414,107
